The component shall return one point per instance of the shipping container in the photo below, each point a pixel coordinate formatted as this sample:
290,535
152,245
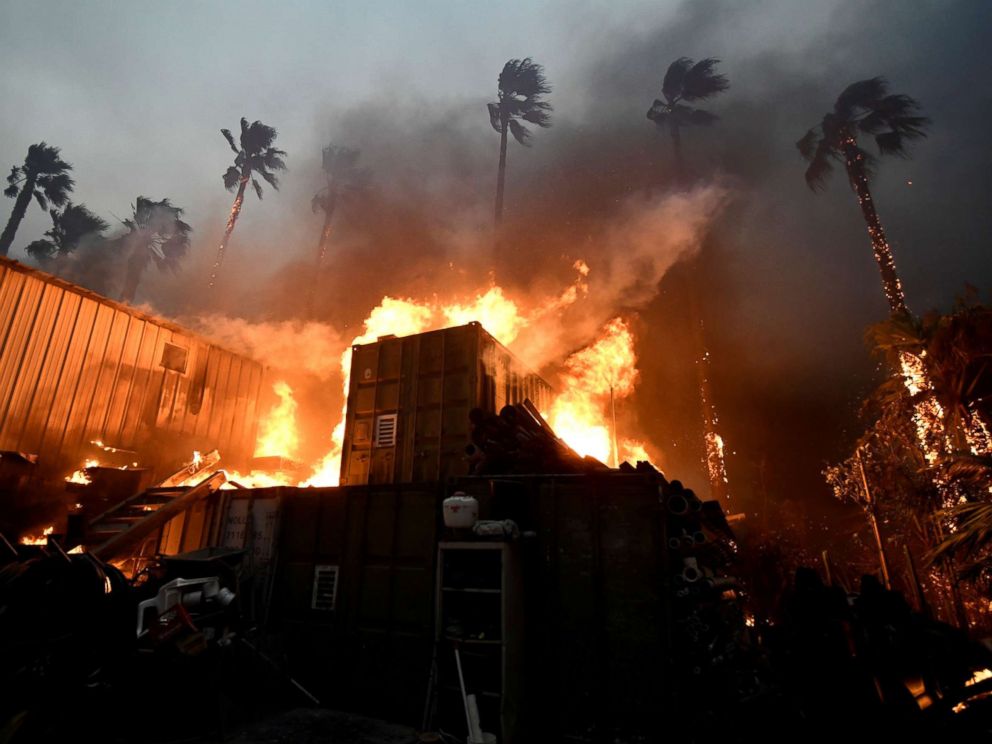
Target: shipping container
77,368
356,603
409,400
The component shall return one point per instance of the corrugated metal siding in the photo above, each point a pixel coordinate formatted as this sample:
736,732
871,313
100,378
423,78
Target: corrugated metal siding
76,367
430,381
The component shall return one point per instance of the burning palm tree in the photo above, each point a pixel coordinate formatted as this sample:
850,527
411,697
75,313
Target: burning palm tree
156,233
867,108
69,227
344,177
686,82
256,155
689,81
521,87
44,176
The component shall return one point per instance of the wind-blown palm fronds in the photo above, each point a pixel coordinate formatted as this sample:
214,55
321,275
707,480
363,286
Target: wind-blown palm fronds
686,82
865,108
44,176
520,98
156,233
69,226
257,155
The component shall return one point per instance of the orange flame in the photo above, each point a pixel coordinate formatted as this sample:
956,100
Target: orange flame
581,415
593,378
81,476
277,432
41,539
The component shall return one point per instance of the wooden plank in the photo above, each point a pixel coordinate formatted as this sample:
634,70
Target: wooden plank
158,518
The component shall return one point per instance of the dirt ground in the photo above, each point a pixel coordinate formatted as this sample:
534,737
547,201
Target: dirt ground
319,725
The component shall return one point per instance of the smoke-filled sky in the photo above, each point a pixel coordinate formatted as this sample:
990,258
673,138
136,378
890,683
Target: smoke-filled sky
135,94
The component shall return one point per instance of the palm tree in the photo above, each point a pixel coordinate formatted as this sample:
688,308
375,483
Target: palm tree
521,86
257,155
865,107
156,233
45,176
344,178
69,227
689,81
686,82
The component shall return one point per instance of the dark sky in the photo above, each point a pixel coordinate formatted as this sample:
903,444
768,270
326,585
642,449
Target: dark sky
135,94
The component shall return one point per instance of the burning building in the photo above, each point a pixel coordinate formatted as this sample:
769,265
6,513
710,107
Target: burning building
84,379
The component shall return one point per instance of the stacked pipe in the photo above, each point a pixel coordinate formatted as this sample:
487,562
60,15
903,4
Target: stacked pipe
708,624
519,440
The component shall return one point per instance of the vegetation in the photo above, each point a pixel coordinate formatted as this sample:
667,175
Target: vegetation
256,156
865,108
521,89
686,82
70,227
930,480
343,178
44,176
156,234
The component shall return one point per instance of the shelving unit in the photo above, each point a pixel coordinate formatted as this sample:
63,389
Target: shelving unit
479,612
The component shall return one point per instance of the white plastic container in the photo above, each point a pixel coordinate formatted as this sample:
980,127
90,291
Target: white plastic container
461,511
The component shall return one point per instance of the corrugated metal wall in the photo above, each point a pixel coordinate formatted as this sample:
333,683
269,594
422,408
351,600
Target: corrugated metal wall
427,383
77,367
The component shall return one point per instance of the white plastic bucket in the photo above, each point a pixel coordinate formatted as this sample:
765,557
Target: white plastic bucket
461,511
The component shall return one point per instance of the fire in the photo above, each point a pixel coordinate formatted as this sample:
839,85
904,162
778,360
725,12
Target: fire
41,539
634,451
278,435
593,380
393,316
81,476
254,479
594,377
497,313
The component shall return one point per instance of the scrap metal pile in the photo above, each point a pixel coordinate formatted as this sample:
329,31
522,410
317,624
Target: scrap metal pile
710,637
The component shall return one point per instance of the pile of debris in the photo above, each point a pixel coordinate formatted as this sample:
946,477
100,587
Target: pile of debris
520,441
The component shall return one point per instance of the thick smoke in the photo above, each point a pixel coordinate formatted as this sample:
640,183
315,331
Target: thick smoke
787,278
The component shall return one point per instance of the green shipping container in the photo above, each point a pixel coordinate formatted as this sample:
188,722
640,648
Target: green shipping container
409,400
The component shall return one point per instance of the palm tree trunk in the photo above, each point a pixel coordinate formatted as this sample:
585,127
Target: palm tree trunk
500,177
16,215
880,246
715,457
679,162
231,222
135,267
325,239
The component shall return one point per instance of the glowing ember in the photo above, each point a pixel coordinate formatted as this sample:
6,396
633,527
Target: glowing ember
41,539
278,433
980,676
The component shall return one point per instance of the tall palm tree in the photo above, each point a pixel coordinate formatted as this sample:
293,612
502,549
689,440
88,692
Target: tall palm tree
45,176
865,107
156,233
521,86
69,227
256,155
689,81
343,178
686,82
